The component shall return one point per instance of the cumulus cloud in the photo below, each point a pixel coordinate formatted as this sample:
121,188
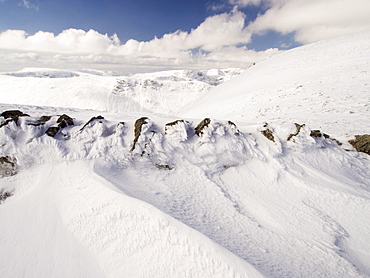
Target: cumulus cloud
219,40
68,41
310,20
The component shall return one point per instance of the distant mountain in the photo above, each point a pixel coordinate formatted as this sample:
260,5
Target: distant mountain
162,92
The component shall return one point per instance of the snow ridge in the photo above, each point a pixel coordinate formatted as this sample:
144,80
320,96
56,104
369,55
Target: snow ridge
226,184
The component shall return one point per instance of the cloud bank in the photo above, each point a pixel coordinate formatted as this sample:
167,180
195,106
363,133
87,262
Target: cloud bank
217,42
310,20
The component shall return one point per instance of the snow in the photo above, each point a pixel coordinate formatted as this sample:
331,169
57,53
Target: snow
324,85
161,92
222,201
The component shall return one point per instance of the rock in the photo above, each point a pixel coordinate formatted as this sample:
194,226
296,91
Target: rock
6,122
317,134
14,114
174,123
137,130
65,121
298,129
178,130
41,121
268,134
361,143
91,120
201,126
7,166
4,195
52,131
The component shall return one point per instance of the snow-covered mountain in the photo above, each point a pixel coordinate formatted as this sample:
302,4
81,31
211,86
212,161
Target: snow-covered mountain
161,92
97,181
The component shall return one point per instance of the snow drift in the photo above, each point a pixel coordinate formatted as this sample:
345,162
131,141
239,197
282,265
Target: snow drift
251,191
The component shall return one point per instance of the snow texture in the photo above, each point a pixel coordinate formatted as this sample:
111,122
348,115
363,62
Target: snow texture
127,191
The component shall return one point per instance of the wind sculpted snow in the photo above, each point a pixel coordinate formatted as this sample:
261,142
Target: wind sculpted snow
132,192
286,207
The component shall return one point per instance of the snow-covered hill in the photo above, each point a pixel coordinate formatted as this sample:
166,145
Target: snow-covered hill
160,92
325,85
122,190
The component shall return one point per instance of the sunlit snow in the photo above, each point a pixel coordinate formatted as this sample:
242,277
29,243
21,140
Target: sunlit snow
218,173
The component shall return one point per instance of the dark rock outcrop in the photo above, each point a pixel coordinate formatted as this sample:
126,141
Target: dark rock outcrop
64,121
52,131
268,133
14,114
361,143
201,126
11,115
318,134
137,130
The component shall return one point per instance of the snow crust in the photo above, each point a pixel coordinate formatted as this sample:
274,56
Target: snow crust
184,200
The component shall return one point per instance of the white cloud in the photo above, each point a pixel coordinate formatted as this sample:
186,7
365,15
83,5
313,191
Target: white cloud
243,3
219,31
27,4
218,40
311,20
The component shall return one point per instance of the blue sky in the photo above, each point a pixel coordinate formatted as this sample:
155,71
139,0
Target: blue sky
129,19
189,34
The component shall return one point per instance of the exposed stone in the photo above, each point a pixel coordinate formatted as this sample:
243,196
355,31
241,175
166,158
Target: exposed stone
52,131
174,123
361,143
41,121
6,122
201,126
14,114
93,119
298,129
7,166
318,134
268,134
65,121
137,130
231,123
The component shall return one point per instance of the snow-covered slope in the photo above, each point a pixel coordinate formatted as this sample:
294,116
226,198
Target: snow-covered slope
325,85
127,193
160,92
